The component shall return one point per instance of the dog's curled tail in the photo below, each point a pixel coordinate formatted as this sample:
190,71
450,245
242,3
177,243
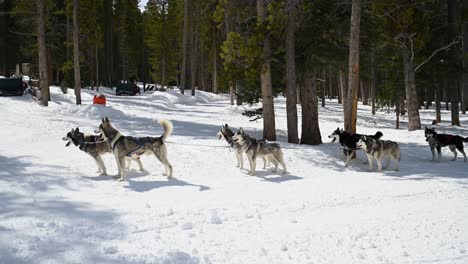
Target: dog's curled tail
167,128
378,135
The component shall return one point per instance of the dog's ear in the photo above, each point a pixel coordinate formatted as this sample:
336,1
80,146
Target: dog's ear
102,120
241,131
226,125
73,130
77,129
364,138
341,130
107,120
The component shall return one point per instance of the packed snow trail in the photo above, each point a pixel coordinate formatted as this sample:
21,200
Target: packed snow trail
56,209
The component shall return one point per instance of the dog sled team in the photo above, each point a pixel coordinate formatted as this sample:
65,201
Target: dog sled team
128,148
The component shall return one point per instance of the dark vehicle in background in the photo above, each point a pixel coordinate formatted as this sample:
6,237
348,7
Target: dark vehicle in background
12,86
127,89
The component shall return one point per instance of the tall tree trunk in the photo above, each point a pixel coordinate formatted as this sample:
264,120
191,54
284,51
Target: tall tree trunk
338,82
437,99
310,126
414,121
109,43
373,81
291,86
97,66
343,89
215,63
453,9
322,86
41,44
365,93
353,69
76,52
465,64
163,41
194,47
183,70
269,130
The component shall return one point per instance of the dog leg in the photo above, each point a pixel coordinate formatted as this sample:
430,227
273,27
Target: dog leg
439,153
251,161
123,172
161,154
101,165
264,162
140,165
238,160
397,163
454,151
370,159
433,153
460,148
349,155
387,163
379,164
275,162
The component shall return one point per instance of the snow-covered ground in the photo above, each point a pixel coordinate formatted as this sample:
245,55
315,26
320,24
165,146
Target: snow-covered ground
56,209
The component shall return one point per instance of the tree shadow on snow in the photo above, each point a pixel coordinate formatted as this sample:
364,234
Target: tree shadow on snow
48,226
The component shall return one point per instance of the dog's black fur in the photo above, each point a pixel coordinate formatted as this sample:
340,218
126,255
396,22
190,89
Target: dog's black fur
437,141
348,141
78,138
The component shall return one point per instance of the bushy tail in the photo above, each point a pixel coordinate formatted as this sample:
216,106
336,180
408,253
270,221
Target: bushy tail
167,128
378,135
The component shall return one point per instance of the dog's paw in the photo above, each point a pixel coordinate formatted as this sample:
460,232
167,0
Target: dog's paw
121,179
103,174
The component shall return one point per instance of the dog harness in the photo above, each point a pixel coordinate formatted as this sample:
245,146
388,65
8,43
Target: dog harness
114,141
140,144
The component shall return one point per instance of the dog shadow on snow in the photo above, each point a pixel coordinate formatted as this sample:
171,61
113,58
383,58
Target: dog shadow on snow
145,186
270,176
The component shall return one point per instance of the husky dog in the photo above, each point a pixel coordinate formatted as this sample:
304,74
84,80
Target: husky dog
226,133
254,148
93,145
126,146
348,141
437,141
378,149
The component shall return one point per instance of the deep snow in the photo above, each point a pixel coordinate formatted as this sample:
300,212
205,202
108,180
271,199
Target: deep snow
56,209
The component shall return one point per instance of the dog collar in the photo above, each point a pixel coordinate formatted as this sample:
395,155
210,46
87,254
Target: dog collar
115,139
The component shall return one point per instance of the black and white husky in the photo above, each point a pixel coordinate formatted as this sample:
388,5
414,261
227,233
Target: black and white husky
127,146
255,148
437,141
348,142
226,133
378,149
95,146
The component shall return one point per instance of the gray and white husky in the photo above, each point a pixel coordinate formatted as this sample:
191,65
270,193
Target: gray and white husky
95,146
254,148
127,146
226,133
378,149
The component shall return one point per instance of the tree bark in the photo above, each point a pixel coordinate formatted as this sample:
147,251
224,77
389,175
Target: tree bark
310,126
41,43
269,130
215,63
194,47
76,52
373,81
465,65
343,90
414,121
453,9
437,100
183,70
291,86
353,69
